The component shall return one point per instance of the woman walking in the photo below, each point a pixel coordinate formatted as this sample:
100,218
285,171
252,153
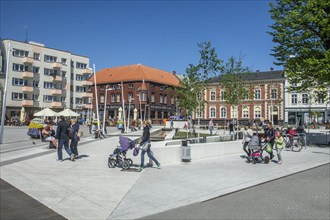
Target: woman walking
146,140
270,138
247,135
279,145
74,138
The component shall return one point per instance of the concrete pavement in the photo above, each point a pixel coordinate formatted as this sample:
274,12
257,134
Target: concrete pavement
88,189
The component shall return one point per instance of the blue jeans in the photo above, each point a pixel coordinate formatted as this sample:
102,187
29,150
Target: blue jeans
66,147
149,155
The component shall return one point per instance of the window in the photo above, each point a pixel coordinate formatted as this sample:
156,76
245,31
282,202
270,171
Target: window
102,98
320,98
63,73
18,96
257,112
80,77
245,112
162,88
144,97
212,96
48,98
273,93
222,95
165,99
63,61
81,65
294,99
118,98
257,94
71,88
79,101
49,85
72,76
305,98
50,72
20,53
19,82
36,69
79,89
212,112
130,86
161,99
63,98
172,100
245,95
102,87
130,96
112,97
152,97
50,59
20,67
223,112
35,83
36,56
35,97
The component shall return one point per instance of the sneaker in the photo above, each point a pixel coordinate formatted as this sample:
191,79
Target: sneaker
72,157
59,160
158,166
75,156
279,162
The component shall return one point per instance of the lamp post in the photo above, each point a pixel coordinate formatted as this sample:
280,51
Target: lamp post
4,96
96,99
129,109
140,108
199,112
105,105
123,100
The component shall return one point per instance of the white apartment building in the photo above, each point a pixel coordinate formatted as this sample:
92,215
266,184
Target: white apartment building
41,77
305,107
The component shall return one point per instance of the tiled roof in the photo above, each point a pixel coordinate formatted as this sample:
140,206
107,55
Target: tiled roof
257,76
136,72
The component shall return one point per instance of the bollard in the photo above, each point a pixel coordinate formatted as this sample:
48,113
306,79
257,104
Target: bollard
185,151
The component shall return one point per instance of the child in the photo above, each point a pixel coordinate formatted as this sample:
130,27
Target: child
279,145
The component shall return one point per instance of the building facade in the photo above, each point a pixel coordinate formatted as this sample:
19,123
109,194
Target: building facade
264,100
147,92
41,77
302,108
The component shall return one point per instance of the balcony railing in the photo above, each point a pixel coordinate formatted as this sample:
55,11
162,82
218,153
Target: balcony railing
57,78
56,92
56,104
87,94
87,71
87,83
27,102
27,74
27,89
28,61
57,65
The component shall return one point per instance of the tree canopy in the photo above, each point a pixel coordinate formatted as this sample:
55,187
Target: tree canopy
301,31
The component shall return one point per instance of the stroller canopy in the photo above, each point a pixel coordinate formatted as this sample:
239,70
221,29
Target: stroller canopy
126,143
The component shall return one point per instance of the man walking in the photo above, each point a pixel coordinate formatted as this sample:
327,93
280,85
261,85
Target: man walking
211,126
62,135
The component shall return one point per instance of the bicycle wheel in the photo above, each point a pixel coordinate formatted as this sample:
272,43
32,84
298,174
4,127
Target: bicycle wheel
297,146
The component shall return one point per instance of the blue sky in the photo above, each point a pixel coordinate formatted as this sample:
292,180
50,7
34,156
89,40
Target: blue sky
160,34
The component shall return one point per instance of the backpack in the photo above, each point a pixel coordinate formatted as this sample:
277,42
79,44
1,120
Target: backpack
71,132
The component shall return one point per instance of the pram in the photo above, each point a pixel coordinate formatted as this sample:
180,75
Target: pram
256,147
118,157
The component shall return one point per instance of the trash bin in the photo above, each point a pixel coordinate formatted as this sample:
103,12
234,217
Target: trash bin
185,151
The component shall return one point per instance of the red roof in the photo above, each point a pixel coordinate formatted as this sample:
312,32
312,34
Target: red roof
136,72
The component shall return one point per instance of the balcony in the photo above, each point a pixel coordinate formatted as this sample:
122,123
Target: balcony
87,95
56,104
27,74
56,92
27,89
57,65
27,103
87,71
88,106
57,78
28,61
86,83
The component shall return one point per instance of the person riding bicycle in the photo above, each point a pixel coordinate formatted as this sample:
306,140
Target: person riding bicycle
291,133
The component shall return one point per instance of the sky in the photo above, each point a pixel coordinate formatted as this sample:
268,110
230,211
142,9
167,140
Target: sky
161,34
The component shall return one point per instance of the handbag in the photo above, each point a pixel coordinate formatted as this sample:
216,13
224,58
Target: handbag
136,151
269,148
145,146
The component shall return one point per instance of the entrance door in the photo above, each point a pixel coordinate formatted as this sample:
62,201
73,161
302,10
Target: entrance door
275,119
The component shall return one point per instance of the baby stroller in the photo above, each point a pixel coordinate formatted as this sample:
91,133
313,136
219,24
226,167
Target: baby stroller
257,149
118,157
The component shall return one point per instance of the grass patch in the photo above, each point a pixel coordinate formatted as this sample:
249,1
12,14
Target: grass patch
183,135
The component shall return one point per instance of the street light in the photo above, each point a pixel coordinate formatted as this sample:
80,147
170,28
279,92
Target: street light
105,105
140,108
129,109
96,99
123,100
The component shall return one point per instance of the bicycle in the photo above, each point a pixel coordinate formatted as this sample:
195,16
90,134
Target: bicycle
296,145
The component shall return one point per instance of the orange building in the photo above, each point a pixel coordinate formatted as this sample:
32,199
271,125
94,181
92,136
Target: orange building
148,92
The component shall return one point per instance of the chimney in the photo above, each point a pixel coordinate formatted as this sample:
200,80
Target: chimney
174,72
271,69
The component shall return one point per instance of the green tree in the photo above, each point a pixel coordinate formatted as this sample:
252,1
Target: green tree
233,83
301,30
